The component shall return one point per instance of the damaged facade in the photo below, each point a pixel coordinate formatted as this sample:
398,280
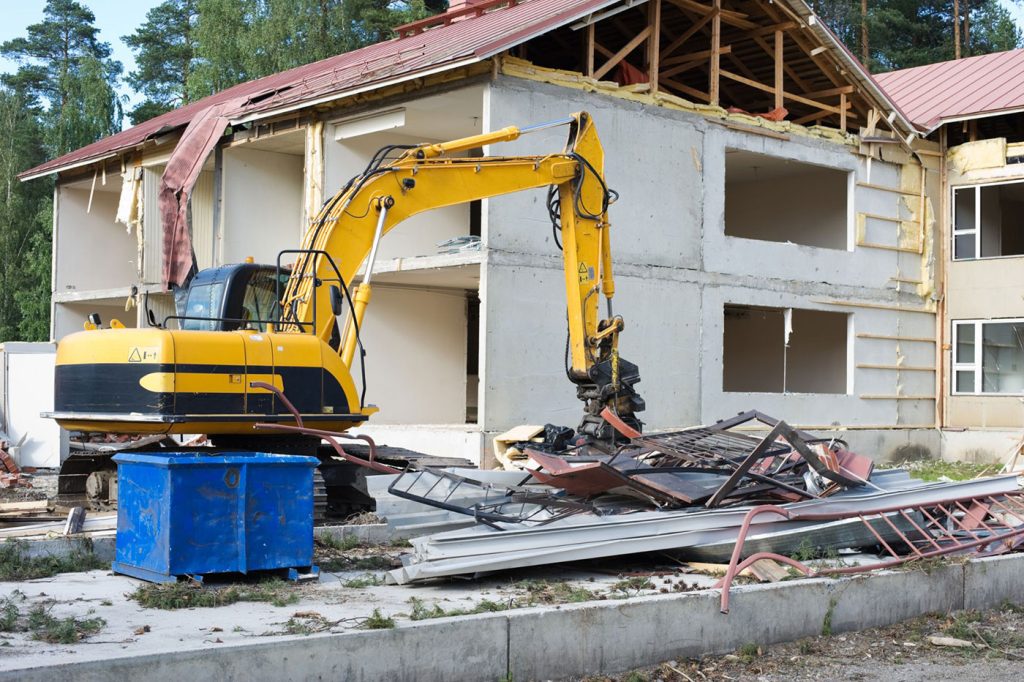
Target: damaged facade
785,258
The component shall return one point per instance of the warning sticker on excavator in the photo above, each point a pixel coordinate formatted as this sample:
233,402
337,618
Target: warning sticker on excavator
584,273
143,354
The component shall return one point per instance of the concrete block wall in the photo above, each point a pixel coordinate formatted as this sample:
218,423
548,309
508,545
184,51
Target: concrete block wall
676,269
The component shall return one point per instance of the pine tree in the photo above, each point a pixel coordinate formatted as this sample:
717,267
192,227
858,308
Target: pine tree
165,53
65,68
239,40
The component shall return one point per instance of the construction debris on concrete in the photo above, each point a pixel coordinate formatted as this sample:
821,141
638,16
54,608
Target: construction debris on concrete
713,493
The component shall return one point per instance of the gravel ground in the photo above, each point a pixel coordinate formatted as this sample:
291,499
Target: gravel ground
899,653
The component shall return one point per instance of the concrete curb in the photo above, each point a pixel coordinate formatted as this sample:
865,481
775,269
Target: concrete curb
603,637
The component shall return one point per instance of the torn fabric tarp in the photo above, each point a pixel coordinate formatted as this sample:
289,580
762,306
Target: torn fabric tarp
183,168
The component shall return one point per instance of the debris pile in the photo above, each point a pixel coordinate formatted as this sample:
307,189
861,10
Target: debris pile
710,493
11,476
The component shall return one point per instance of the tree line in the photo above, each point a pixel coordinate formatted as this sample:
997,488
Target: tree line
64,93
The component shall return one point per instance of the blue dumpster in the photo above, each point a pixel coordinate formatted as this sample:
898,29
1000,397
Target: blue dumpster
189,514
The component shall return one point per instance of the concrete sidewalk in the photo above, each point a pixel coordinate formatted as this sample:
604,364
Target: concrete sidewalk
546,642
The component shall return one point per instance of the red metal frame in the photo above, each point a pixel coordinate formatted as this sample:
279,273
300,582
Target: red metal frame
944,520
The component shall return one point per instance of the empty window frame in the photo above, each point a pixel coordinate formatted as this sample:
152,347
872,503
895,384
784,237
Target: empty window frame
785,350
781,200
988,357
987,221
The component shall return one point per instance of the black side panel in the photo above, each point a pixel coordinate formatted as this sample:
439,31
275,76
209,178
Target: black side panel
109,388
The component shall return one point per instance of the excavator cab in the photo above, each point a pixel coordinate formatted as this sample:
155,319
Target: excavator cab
230,297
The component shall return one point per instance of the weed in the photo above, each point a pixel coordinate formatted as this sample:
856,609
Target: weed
46,628
635,676
190,595
42,625
376,621
632,586
806,647
16,565
401,542
106,602
421,612
934,470
365,580
748,652
959,625
557,592
345,543
826,624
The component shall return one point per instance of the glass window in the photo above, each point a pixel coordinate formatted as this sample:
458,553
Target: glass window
965,381
1002,361
964,343
261,299
987,221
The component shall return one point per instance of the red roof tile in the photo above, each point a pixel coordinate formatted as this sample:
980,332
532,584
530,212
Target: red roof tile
958,89
470,39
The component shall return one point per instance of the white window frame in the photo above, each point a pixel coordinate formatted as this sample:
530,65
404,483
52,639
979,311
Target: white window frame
976,366
976,229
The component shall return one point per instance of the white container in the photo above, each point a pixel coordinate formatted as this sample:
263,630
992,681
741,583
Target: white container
26,390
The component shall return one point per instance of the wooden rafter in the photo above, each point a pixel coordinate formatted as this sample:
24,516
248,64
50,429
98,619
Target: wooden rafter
780,62
716,46
653,42
788,95
731,17
691,61
687,34
623,53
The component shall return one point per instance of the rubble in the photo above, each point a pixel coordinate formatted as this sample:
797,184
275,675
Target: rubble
712,493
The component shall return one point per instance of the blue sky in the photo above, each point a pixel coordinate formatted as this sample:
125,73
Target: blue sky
116,18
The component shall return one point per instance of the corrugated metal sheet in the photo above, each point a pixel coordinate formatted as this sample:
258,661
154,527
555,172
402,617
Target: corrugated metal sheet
203,238
958,89
473,38
152,230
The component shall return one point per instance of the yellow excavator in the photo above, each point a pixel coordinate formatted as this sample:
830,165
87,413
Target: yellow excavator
263,345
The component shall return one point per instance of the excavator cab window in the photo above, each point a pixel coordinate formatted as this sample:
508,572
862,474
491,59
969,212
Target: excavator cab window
233,297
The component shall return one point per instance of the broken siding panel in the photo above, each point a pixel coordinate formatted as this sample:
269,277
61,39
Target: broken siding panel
152,230
203,232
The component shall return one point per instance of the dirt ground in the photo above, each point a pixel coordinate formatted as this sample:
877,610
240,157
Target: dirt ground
903,652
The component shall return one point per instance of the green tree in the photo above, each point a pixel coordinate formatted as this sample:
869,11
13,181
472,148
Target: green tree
239,40
24,230
165,53
65,68
907,33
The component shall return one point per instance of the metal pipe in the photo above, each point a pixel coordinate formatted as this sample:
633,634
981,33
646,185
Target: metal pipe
385,204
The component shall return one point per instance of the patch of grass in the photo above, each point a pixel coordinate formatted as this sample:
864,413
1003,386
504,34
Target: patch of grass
42,625
342,544
421,611
366,580
16,565
749,652
401,542
934,469
554,592
632,586
190,595
46,628
635,676
376,621
959,625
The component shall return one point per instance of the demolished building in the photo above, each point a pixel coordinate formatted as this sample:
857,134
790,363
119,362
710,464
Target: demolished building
776,229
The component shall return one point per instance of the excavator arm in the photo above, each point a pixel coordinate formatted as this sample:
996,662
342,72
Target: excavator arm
345,236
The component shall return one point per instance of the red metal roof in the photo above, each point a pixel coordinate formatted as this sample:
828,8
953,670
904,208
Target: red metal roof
958,89
470,39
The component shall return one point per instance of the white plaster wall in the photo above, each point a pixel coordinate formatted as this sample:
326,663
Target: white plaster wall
523,309
69,317
416,355
417,236
92,252
262,205
652,159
